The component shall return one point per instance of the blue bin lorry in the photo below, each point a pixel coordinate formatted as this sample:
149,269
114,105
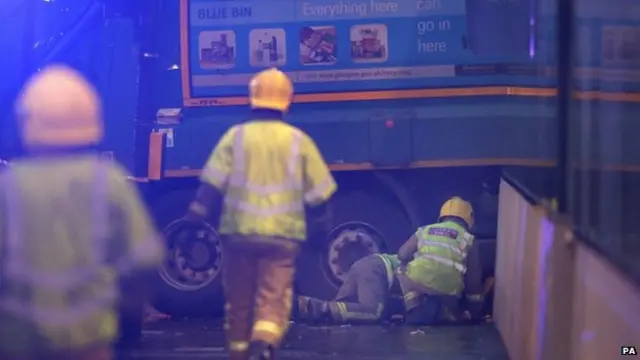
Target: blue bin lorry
409,101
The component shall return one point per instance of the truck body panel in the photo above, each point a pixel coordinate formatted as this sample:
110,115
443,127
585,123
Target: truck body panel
395,134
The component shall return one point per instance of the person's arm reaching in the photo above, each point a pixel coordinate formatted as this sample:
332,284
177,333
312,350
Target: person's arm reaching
473,282
139,248
408,250
318,187
207,203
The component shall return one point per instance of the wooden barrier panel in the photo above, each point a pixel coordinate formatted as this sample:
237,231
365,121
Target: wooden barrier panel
555,302
521,227
606,308
555,298
506,278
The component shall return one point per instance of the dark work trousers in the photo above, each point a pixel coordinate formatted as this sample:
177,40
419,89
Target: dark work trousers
134,292
258,275
364,293
425,306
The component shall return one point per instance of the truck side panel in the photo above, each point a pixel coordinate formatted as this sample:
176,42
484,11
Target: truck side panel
445,132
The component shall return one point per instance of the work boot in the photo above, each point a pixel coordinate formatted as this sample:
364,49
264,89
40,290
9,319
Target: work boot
260,350
319,311
300,310
310,309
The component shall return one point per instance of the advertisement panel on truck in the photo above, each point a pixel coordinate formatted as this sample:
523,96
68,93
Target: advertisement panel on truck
351,50
336,50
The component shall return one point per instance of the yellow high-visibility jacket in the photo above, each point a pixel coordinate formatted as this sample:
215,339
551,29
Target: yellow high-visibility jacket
267,170
440,262
69,227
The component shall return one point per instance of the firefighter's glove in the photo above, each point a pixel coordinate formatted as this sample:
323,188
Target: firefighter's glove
197,212
206,206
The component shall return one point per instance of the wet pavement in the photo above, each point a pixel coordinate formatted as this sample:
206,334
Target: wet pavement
203,339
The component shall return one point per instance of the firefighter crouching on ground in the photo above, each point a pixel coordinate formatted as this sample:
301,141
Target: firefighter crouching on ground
440,261
364,297
262,174
71,225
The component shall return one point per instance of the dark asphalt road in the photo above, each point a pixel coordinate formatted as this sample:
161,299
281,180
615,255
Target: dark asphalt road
203,339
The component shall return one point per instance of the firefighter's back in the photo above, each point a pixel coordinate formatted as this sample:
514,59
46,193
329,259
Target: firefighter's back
265,195
439,261
59,283
272,152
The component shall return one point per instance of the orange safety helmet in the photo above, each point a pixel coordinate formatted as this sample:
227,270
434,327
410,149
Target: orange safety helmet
58,107
271,89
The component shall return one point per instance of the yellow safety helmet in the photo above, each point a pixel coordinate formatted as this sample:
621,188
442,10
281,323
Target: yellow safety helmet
270,89
458,208
58,107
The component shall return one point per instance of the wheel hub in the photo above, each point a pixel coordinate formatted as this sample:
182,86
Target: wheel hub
195,255
349,246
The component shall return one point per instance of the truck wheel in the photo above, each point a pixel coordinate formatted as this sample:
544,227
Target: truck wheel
366,223
189,281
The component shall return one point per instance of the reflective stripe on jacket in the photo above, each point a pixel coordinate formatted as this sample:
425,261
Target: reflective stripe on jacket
439,263
391,264
268,171
69,226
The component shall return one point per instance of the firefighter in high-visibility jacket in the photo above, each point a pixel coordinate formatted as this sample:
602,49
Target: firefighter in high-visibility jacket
261,181
71,227
366,295
438,262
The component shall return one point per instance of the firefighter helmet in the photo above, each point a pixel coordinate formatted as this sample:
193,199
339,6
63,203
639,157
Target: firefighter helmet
58,107
458,208
270,89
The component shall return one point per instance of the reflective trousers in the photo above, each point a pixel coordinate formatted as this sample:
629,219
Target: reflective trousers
258,276
98,353
364,296
364,293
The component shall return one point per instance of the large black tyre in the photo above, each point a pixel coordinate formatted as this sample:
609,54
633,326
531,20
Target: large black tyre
384,213
170,294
